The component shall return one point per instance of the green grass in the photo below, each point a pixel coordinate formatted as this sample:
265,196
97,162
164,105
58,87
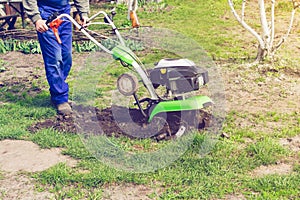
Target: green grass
273,187
225,170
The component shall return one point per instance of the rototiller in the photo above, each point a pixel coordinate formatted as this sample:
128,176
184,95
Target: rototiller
178,77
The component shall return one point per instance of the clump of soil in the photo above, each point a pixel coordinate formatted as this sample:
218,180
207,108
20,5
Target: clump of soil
117,121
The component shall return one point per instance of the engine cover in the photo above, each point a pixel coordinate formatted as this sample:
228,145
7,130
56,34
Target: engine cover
178,75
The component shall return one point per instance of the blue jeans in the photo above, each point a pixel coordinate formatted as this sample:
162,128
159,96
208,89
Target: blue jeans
57,57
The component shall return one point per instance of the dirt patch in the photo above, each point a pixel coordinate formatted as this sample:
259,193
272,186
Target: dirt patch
23,156
20,66
128,191
234,197
280,169
24,73
253,92
18,155
19,186
261,90
292,143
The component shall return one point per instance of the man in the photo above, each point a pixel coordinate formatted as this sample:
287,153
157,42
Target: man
57,57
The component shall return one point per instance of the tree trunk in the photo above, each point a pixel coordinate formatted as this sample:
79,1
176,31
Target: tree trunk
261,54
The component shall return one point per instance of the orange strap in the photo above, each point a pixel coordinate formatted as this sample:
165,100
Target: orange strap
54,26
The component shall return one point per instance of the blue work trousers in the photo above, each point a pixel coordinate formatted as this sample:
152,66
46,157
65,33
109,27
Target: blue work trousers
57,57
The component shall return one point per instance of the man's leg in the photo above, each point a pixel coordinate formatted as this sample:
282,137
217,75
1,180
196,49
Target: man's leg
65,31
52,55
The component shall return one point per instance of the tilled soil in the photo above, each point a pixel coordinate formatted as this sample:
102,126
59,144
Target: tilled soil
117,121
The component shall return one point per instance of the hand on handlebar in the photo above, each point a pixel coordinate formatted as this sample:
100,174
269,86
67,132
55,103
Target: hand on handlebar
83,21
41,26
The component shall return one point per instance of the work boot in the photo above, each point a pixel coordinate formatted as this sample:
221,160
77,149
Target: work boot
71,103
64,109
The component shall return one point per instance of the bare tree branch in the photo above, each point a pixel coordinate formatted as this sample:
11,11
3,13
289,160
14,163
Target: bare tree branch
263,20
272,22
243,10
284,37
245,25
